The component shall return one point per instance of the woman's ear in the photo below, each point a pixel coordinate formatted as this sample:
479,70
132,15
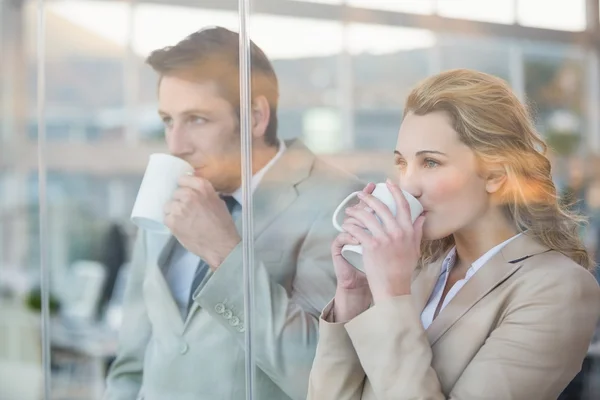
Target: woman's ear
496,178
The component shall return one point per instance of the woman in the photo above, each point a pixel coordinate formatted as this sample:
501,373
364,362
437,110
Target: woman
496,301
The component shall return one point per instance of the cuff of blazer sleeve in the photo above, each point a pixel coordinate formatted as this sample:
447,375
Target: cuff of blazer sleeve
333,338
327,313
333,333
396,316
222,294
392,346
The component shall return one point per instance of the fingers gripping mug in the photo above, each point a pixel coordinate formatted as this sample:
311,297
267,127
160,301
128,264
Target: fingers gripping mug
353,253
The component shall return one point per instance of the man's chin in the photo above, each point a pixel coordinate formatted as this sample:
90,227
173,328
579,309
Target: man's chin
221,187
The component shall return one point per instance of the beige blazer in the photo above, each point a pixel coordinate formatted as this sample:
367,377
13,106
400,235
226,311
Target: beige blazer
161,356
519,329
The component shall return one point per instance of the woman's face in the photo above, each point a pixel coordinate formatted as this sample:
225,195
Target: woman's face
442,172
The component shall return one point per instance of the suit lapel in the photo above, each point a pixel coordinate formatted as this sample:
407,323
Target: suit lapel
164,298
275,193
160,249
499,268
423,284
277,190
165,254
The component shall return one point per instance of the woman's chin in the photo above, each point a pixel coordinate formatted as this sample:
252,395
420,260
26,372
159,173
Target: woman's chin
433,234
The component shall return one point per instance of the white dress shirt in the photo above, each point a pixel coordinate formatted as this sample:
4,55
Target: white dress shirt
182,264
434,300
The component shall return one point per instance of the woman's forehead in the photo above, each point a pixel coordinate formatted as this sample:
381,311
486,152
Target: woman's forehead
429,132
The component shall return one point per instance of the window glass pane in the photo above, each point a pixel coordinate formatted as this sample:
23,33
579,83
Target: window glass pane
21,369
325,121
568,15
554,84
103,128
323,1
409,6
491,56
500,11
390,61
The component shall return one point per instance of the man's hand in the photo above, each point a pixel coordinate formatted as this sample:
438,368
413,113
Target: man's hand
200,221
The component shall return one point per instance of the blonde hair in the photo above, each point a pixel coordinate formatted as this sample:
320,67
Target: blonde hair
491,120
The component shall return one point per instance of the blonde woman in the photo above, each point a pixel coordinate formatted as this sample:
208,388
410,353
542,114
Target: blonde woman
488,295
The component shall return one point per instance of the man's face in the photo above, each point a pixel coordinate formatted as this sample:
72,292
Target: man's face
202,128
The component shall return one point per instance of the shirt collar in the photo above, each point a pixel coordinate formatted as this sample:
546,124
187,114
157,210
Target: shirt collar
450,259
257,177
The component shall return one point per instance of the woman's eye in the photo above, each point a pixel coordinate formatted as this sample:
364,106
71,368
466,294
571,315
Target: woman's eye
429,163
400,163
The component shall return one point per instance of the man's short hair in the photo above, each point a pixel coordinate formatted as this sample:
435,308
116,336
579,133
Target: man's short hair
212,54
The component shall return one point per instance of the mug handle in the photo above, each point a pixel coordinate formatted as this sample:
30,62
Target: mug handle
341,208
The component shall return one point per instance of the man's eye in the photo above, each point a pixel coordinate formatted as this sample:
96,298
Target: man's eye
197,120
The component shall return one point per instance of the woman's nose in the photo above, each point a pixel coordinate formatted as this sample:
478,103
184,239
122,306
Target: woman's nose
410,182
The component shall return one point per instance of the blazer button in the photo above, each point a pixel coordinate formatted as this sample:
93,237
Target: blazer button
234,321
219,308
183,348
227,314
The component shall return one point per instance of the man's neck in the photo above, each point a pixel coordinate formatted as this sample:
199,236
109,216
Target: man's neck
260,161
262,156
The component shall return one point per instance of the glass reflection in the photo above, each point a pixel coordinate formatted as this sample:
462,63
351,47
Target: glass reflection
342,87
21,369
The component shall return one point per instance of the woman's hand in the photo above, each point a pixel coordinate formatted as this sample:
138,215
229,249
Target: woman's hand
353,295
391,248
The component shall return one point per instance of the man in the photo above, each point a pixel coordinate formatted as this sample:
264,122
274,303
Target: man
183,324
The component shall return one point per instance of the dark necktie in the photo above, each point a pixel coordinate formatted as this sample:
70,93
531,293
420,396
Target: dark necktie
203,267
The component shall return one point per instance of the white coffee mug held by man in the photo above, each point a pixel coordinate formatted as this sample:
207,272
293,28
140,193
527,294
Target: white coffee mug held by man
160,182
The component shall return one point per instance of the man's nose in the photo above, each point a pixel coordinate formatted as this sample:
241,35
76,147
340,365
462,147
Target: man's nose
178,142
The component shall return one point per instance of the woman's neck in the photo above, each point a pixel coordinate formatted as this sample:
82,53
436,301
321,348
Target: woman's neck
474,241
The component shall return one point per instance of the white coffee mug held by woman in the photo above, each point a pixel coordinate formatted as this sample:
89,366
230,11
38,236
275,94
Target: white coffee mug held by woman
354,253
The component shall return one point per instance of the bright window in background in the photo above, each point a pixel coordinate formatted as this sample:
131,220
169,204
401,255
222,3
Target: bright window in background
107,19
380,39
568,15
499,11
487,55
157,26
408,6
322,129
297,37
322,1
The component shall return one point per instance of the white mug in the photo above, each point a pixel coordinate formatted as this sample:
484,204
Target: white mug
157,188
353,253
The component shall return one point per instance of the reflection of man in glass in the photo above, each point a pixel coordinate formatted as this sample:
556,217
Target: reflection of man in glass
184,323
